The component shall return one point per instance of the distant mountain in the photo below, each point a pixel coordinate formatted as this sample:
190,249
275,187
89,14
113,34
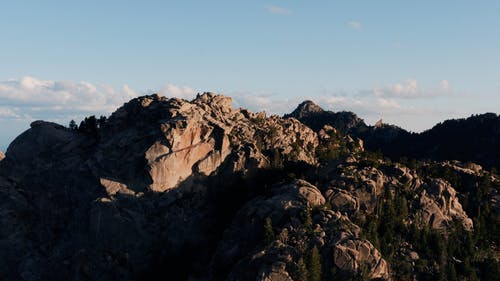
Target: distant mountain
474,139
171,189
315,118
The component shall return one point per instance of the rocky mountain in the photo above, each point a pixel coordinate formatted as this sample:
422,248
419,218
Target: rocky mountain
197,190
473,139
315,118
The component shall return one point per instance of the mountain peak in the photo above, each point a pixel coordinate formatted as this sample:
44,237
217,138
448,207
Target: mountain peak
305,108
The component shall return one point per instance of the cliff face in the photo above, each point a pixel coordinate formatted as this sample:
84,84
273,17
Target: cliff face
197,190
171,140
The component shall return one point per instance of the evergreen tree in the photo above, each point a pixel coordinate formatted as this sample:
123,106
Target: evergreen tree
269,235
314,265
89,126
101,121
452,272
72,125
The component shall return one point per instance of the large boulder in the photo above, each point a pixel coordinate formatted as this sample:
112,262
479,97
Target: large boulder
358,256
439,206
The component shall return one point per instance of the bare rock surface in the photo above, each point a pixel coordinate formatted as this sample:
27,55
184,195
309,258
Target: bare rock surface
440,206
286,208
199,190
174,140
357,188
354,255
141,191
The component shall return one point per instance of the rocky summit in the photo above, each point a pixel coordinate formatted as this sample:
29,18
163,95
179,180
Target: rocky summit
170,189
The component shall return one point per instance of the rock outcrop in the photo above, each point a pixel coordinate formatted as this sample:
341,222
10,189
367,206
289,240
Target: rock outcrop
357,189
199,190
355,255
316,118
172,140
439,206
287,208
97,202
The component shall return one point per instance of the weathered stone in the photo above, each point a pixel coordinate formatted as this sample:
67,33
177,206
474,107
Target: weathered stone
342,201
440,206
276,272
352,254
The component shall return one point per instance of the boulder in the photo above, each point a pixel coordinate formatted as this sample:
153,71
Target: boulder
343,201
276,272
439,206
358,256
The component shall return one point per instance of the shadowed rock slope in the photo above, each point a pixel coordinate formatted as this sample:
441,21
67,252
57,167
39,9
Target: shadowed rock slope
170,189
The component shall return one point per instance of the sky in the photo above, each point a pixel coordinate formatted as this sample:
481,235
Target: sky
410,63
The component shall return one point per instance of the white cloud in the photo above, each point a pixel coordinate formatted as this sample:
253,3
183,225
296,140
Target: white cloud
31,98
33,94
411,89
184,92
8,113
364,105
278,10
355,25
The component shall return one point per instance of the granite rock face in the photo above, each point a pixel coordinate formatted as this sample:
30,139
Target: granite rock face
99,205
287,208
357,189
199,190
439,206
172,140
354,255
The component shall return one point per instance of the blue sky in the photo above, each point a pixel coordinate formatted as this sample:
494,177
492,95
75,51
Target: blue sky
411,63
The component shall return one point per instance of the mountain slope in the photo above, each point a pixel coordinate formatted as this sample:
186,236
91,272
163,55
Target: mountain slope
196,190
475,139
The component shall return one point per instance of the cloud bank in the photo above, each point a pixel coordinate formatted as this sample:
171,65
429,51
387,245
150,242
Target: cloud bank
31,98
34,96
411,89
27,99
403,103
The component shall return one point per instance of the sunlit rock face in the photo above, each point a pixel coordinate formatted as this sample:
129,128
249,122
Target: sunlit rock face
157,143
110,198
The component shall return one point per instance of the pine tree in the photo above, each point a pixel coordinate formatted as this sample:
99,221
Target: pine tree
314,265
72,125
269,235
452,272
